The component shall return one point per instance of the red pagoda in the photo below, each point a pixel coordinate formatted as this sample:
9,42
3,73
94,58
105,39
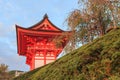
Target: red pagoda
36,43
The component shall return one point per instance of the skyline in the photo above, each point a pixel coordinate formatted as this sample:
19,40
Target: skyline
27,13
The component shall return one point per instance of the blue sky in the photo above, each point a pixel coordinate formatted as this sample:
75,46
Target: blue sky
27,13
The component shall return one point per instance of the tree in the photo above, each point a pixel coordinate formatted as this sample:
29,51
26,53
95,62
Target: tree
93,19
3,68
4,72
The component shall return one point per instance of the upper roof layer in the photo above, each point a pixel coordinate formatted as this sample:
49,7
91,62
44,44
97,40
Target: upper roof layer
44,28
45,24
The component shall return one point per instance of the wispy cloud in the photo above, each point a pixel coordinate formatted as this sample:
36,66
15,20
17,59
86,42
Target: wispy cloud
15,62
8,50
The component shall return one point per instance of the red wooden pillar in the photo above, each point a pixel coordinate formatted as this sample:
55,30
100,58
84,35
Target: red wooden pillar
33,62
44,57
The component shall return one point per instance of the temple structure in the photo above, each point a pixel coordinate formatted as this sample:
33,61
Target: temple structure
37,44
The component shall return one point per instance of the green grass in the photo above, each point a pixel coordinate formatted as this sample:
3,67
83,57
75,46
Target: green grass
98,60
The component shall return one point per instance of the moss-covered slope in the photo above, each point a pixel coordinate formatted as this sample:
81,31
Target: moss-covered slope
99,60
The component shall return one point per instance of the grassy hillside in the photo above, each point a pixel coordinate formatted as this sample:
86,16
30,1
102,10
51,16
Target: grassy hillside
99,60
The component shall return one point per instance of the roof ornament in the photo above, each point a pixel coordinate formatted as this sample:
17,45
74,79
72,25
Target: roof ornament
46,16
